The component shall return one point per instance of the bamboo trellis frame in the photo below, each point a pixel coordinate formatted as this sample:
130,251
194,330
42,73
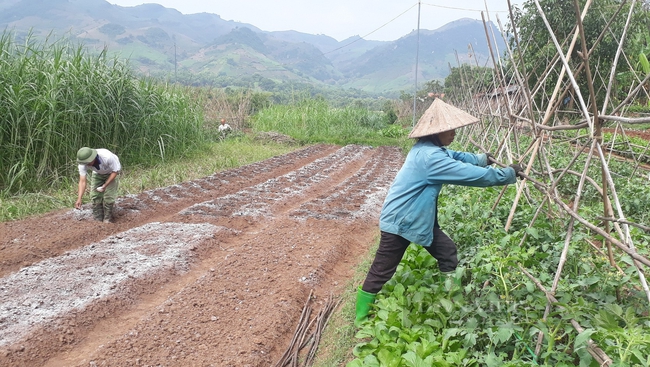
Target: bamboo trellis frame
509,115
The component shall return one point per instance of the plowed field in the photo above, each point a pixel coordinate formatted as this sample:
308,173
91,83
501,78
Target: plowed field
211,272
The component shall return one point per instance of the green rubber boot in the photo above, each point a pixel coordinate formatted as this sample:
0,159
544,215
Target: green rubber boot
364,300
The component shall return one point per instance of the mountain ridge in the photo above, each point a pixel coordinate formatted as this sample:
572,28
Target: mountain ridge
159,40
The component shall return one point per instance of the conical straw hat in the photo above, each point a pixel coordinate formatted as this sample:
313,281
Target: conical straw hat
441,117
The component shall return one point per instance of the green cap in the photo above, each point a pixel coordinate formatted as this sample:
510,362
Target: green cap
86,155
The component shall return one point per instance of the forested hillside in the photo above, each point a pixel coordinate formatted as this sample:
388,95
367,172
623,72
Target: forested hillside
205,49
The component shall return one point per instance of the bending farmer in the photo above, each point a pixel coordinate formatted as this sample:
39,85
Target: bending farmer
409,212
224,129
103,182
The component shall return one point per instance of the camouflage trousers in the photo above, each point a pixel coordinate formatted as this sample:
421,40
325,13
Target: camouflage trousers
103,202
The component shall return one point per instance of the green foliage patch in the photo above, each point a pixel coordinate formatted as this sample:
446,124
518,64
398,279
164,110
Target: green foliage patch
628,146
314,121
600,28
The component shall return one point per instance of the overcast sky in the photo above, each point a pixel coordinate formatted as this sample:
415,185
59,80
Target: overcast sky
384,20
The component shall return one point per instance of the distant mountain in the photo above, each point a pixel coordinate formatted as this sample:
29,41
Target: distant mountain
394,63
162,40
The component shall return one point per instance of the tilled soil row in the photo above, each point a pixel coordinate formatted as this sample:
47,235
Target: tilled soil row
213,272
27,241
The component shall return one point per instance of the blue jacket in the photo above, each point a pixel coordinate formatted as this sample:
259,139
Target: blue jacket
410,206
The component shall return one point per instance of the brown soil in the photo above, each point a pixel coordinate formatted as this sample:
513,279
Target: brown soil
641,134
212,272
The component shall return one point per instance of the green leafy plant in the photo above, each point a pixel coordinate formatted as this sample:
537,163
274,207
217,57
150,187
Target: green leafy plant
495,317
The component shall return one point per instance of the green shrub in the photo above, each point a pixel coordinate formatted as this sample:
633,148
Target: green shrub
314,121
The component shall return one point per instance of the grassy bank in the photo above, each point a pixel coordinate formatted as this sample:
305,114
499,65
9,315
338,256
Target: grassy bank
213,158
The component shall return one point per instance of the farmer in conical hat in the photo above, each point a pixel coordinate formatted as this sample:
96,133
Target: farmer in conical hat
409,213
104,181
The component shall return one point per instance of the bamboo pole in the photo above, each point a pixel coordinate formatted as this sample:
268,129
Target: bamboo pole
628,238
611,151
532,222
590,84
583,105
627,143
639,163
563,127
576,205
626,120
529,98
551,105
567,241
593,47
616,220
632,252
589,179
521,186
523,84
601,253
630,95
550,172
615,63
502,82
597,126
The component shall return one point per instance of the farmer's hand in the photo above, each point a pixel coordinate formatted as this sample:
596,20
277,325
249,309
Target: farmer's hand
490,158
77,205
100,189
517,168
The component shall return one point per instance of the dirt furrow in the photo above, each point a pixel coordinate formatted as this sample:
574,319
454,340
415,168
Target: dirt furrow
28,241
215,276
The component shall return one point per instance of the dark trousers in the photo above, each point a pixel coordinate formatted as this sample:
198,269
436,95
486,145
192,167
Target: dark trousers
391,250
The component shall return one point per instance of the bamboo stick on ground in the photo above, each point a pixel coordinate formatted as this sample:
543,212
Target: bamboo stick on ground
307,334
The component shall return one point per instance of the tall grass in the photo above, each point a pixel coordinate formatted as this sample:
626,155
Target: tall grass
56,98
314,121
234,105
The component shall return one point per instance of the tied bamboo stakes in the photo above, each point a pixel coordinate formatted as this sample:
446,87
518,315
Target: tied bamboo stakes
517,108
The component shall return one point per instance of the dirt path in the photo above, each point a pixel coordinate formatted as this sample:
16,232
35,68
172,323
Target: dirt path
212,272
